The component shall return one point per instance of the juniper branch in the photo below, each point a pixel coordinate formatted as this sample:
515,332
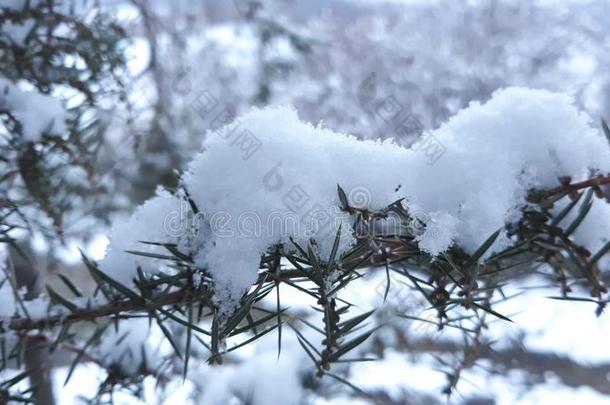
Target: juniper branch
570,187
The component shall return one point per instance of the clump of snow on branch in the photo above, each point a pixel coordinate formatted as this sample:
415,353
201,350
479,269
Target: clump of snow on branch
37,113
269,176
521,139
151,222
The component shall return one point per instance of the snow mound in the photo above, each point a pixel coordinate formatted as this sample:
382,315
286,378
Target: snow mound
269,176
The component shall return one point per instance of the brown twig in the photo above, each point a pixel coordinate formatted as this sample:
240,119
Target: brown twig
568,188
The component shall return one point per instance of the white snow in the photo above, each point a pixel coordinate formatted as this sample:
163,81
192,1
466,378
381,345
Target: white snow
259,375
37,113
147,224
268,175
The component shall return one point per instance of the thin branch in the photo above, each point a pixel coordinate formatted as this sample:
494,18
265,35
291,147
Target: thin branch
568,188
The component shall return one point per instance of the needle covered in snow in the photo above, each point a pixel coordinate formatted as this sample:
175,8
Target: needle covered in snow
268,176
